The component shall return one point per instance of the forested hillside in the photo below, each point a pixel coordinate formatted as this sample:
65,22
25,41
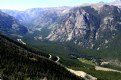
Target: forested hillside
16,63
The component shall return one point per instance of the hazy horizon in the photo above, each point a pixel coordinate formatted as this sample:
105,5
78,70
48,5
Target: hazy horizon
27,4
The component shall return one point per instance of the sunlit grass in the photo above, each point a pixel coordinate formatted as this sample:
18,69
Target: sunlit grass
90,62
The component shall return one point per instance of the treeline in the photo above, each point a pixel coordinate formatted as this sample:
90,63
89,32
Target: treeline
17,63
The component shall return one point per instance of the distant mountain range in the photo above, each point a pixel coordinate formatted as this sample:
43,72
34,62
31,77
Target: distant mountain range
84,25
10,25
116,2
38,18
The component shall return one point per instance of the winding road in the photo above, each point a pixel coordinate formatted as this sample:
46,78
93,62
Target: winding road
50,56
58,58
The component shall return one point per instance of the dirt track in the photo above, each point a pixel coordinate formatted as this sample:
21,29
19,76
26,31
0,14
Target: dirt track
105,69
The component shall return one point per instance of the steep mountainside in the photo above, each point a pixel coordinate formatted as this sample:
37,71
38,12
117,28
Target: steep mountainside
117,3
10,25
17,63
89,26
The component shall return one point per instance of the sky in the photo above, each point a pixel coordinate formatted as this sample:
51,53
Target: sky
26,4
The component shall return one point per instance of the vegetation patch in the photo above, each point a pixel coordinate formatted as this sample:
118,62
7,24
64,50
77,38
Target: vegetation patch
90,62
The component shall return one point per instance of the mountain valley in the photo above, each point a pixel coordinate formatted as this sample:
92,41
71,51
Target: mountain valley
80,38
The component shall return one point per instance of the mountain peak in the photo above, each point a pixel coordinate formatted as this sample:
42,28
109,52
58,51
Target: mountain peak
116,3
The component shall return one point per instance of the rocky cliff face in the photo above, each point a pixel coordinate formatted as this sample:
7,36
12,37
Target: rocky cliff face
88,25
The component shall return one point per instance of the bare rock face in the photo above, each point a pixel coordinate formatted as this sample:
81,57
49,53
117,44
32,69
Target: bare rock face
87,25
77,26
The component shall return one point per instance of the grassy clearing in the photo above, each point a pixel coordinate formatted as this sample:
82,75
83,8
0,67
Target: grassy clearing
90,62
